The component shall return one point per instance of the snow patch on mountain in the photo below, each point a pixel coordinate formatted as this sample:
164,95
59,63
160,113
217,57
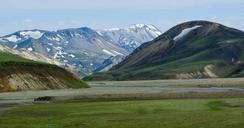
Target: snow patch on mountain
153,29
48,49
30,49
135,26
108,52
117,53
32,34
72,55
185,32
12,38
53,38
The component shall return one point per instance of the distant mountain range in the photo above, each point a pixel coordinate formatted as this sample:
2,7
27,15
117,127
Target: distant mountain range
85,49
196,49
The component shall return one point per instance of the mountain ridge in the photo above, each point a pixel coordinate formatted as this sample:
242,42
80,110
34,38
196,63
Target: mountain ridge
201,43
84,48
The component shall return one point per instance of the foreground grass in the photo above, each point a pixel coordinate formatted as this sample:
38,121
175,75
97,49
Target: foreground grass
188,113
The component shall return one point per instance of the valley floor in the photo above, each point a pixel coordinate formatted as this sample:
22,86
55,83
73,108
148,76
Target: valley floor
155,89
174,113
205,103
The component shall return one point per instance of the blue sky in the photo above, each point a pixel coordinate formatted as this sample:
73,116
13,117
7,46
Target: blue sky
99,14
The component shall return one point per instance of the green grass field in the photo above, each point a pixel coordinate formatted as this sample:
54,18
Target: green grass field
186,113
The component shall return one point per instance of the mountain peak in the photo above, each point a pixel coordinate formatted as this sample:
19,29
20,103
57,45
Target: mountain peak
82,47
35,34
138,25
197,22
187,50
197,27
190,24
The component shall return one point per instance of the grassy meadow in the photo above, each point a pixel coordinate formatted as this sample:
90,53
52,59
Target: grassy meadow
184,113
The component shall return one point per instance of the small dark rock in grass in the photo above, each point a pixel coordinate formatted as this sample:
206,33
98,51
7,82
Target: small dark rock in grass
44,99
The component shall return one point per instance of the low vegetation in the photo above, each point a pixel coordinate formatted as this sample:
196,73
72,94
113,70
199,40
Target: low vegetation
184,113
8,57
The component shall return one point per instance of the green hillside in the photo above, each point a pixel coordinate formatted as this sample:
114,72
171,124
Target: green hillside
8,57
211,45
34,75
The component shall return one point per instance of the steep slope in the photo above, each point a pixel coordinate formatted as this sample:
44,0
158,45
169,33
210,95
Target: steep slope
84,48
196,49
32,56
18,74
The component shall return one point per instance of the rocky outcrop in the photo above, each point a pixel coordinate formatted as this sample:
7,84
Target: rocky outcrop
206,73
193,75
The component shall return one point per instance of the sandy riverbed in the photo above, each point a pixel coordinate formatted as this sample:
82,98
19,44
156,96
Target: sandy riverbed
138,90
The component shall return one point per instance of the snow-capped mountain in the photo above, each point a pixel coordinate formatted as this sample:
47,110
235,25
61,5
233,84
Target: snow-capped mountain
84,48
132,37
